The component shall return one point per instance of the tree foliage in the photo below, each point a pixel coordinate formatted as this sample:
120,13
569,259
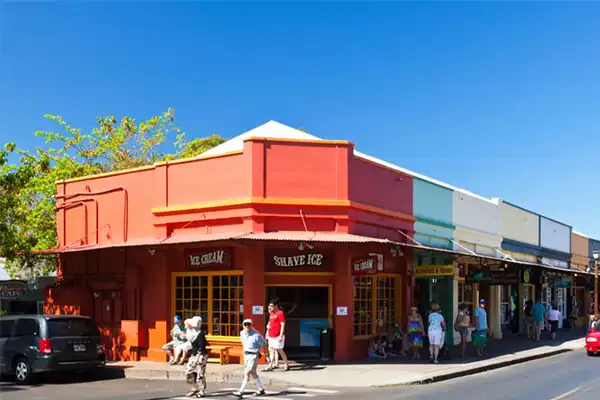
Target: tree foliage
27,185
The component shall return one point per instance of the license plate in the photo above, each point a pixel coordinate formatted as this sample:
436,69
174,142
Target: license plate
79,347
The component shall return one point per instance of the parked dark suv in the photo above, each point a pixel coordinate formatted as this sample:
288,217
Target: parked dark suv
42,343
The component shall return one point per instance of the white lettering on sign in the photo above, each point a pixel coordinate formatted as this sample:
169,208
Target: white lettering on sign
364,265
215,257
300,260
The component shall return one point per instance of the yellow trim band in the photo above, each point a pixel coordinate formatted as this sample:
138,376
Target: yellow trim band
301,141
280,201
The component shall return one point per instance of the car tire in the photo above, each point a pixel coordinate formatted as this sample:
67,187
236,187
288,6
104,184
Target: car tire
590,353
22,370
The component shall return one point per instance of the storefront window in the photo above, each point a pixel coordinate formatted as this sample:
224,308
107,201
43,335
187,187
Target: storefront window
363,305
218,299
375,304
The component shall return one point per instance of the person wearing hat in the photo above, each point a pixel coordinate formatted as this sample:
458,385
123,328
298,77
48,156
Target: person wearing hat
480,324
252,342
196,367
176,338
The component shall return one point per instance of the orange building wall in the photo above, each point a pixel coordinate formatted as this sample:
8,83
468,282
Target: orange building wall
270,186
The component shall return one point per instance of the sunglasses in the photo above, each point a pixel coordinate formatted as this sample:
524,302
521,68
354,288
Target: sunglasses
247,324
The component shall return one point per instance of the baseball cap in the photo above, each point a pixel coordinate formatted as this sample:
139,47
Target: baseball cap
481,301
247,322
177,319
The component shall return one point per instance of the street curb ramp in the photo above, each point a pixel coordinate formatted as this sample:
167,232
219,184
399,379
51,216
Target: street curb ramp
483,368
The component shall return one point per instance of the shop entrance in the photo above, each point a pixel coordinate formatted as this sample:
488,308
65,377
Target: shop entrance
435,290
307,310
527,294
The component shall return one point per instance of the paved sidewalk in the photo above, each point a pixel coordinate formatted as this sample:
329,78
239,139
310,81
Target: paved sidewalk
370,373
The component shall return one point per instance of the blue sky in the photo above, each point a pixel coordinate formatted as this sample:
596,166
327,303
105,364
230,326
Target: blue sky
499,98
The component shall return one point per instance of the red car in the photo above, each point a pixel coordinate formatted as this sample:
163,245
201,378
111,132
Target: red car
592,342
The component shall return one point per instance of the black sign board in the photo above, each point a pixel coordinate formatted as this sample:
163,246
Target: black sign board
12,290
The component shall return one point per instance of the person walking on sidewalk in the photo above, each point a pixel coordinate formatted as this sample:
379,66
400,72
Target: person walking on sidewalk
252,342
539,317
276,336
481,327
196,366
461,325
435,332
553,317
415,331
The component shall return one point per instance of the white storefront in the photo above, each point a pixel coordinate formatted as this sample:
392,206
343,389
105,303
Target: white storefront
477,230
555,241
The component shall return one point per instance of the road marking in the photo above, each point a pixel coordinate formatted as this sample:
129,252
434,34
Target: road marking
567,394
321,391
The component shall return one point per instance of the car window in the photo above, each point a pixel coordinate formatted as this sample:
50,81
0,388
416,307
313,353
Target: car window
6,328
27,327
61,327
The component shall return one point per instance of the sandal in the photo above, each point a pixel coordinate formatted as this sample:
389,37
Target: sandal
286,368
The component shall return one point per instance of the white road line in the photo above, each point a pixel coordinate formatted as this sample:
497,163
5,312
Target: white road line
320,391
567,394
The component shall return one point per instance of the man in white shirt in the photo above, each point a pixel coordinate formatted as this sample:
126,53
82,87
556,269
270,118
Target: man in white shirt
554,316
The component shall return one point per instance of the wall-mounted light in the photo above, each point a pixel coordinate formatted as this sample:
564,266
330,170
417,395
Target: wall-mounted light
96,295
151,251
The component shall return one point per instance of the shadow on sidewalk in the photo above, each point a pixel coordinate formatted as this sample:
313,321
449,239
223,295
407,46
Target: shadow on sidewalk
510,344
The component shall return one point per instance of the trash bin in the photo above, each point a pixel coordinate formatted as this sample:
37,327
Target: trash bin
326,344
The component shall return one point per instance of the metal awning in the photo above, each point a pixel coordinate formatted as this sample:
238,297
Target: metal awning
484,257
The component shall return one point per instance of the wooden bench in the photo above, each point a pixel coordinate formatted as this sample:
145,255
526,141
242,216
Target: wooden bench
223,353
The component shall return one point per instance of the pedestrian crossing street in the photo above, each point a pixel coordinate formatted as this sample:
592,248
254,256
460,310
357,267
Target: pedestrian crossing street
293,393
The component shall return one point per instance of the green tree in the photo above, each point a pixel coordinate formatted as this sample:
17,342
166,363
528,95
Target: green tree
27,185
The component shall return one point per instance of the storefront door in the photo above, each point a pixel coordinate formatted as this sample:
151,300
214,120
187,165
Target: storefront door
527,294
307,311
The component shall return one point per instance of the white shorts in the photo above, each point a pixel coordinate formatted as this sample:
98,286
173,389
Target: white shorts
185,347
276,344
435,337
250,364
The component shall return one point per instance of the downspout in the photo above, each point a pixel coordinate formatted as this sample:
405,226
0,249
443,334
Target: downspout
106,191
68,206
65,206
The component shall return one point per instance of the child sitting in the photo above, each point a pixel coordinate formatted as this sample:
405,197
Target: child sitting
377,348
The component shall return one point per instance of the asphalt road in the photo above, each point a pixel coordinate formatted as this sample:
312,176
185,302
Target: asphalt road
568,376
72,387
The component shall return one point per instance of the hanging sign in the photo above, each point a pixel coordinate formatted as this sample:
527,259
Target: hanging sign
364,265
297,260
12,290
435,270
212,258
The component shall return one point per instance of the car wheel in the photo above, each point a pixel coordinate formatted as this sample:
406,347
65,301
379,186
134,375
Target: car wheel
590,353
22,370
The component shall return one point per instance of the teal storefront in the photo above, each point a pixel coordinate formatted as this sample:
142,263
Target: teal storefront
434,271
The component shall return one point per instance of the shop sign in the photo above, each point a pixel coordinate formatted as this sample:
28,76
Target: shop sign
527,275
12,290
219,258
555,263
479,276
364,266
297,260
563,284
435,270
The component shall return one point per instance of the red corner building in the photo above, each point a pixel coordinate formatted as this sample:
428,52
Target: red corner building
272,213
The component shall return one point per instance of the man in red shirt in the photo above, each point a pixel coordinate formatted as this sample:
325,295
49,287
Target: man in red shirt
276,336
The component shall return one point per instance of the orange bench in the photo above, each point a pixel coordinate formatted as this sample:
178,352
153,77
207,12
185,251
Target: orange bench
223,354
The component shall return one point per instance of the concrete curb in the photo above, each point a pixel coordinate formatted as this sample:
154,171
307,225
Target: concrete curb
478,370
179,375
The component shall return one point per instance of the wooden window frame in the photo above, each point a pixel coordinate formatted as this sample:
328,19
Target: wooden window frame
208,324
373,328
